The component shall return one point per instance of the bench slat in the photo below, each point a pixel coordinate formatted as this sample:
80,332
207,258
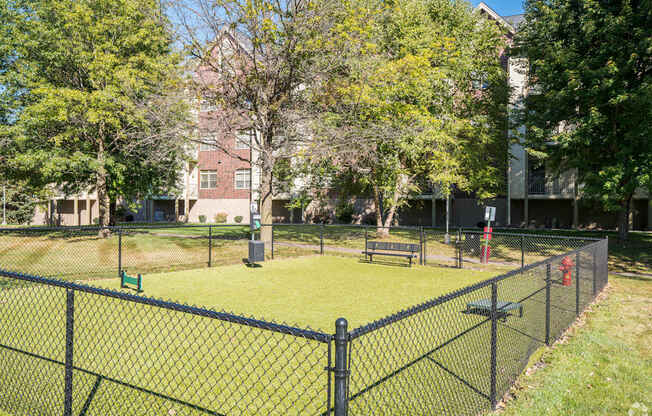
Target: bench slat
390,246
380,253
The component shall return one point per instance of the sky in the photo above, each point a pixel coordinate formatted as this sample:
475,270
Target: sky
503,7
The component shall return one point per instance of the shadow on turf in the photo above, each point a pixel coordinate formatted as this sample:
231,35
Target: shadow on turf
251,265
99,378
385,263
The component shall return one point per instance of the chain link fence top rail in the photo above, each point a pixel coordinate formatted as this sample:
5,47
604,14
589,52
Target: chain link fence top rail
71,349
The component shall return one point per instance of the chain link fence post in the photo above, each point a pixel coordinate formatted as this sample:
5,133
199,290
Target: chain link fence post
272,225
341,369
321,238
70,323
577,284
460,253
210,245
494,342
366,241
119,252
595,271
522,251
421,238
548,284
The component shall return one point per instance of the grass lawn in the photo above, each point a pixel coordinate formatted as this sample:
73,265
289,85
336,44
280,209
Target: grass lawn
309,291
603,368
83,255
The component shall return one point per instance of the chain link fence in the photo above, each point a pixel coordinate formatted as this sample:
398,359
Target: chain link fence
91,252
74,349
514,249
460,353
83,253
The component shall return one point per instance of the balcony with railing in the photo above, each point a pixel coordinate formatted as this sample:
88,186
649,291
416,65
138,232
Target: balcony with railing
536,185
550,186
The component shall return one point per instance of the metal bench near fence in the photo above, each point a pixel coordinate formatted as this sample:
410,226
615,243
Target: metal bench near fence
382,248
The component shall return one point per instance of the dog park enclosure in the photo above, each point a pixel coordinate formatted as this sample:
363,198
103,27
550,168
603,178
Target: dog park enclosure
79,349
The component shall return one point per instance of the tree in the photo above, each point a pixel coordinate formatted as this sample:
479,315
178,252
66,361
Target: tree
92,97
254,60
418,99
20,205
590,68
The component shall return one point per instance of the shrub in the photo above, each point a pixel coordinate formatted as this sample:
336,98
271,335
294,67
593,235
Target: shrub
202,218
238,218
220,217
344,213
96,221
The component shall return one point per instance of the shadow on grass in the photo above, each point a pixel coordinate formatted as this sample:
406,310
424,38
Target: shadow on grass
99,378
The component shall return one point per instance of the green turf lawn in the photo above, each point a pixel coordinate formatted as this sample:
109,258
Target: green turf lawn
171,361
309,291
605,366
244,370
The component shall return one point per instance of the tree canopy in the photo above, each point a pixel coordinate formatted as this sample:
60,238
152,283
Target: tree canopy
590,105
419,100
91,97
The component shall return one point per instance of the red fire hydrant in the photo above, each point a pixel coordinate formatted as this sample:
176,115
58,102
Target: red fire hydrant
566,268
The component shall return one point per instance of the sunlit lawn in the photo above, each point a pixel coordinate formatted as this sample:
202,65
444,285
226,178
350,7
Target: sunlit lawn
309,291
604,368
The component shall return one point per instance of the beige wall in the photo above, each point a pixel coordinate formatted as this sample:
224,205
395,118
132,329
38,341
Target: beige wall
210,207
63,212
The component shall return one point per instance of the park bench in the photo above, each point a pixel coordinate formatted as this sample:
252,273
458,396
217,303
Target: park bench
381,248
483,307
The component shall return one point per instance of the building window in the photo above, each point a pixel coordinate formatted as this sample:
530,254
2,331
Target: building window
208,179
207,144
243,139
242,178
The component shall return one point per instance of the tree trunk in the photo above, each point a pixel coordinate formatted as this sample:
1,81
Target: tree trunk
623,219
103,201
392,210
266,197
380,231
